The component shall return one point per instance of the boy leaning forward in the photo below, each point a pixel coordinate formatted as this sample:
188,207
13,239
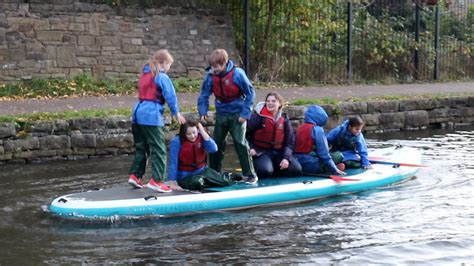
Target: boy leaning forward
234,98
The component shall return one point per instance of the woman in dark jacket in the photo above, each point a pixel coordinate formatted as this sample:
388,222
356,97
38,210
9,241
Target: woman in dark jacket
272,138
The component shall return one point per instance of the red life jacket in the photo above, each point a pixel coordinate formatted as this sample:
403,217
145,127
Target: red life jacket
271,134
304,140
147,89
224,88
192,155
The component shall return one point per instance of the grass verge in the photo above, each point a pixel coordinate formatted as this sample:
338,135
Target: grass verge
82,85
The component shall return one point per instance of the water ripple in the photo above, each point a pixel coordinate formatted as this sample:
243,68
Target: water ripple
425,220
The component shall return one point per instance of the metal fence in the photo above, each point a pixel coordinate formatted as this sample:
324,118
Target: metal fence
333,41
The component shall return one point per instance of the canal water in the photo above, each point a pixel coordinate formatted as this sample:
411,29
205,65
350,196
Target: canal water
426,220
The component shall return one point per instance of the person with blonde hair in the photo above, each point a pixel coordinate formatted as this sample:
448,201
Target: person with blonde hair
234,97
155,88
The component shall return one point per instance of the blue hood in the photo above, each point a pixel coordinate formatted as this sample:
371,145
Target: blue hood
345,127
230,65
345,130
146,69
315,114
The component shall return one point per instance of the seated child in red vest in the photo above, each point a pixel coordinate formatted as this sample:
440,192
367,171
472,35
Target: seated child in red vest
271,138
187,167
349,140
311,147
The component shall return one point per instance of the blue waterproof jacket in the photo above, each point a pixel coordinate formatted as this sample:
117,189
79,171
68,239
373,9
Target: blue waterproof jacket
150,113
352,147
241,106
316,115
175,147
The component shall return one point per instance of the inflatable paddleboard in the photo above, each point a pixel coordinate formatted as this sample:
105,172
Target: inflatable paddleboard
125,201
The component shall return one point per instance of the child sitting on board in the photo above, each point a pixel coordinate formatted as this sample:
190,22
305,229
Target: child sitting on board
272,139
349,140
311,148
187,167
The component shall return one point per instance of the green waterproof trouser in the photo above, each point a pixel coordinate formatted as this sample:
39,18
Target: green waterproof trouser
208,178
230,124
149,142
353,164
336,156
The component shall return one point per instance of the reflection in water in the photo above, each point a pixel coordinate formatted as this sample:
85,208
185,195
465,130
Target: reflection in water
424,220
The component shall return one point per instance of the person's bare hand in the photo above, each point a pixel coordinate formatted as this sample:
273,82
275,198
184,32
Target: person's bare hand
200,127
340,172
284,164
242,120
252,152
181,118
203,132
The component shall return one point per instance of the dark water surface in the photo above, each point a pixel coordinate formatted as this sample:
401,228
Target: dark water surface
427,220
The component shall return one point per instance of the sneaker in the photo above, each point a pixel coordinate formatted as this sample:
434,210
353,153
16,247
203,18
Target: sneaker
341,166
251,179
158,186
134,181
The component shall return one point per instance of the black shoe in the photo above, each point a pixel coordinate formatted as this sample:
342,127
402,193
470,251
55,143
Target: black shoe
237,177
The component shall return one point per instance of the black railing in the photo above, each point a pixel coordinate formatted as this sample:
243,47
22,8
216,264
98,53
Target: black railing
333,41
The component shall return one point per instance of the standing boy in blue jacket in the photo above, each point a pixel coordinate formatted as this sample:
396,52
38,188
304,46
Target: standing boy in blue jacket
349,140
234,97
155,89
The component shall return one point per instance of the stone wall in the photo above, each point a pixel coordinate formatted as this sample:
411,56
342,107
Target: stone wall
59,39
86,138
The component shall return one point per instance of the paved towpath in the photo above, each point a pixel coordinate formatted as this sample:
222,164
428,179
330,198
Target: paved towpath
289,94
